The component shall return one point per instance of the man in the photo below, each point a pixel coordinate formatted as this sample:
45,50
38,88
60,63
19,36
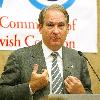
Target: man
48,67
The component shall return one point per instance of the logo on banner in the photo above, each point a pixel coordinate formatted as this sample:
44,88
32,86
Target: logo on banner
1,2
39,5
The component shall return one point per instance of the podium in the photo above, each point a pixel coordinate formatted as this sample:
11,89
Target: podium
72,97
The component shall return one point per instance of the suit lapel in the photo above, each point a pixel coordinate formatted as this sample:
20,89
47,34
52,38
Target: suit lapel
40,60
39,57
67,64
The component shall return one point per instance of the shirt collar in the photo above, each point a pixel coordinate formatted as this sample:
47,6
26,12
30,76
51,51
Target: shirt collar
47,52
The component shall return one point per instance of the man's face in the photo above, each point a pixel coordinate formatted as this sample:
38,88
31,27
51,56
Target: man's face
54,29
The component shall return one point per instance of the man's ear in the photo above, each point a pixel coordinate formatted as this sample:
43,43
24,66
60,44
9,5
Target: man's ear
68,28
40,27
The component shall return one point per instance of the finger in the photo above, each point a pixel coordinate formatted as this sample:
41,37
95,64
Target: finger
35,69
45,75
69,81
77,79
72,78
66,84
45,72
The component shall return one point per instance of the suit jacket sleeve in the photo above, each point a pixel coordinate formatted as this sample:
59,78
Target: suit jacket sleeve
85,77
11,86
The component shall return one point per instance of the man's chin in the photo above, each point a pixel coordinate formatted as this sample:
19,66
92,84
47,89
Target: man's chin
56,44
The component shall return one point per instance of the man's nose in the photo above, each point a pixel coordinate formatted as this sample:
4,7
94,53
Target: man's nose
56,30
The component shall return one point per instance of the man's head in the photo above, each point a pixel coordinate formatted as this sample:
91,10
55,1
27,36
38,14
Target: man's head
53,25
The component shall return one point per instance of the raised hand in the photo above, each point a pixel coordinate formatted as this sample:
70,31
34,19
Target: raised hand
73,85
38,81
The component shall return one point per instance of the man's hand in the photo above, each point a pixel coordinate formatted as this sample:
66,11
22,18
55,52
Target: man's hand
73,85
38,81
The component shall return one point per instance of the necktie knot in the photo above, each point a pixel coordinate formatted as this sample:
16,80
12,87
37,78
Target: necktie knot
54,54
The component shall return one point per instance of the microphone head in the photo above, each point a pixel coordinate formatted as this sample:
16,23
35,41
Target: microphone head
80,53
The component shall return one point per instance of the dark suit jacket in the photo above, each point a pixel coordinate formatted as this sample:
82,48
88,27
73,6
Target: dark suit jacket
18,69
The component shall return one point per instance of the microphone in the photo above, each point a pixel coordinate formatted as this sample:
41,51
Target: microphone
81,54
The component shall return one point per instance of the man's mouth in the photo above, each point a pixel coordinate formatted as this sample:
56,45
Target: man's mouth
55,38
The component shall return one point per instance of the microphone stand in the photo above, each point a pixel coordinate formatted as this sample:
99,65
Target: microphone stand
81,54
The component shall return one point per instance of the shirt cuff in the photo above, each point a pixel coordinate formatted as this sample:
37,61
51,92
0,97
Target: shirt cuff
31,92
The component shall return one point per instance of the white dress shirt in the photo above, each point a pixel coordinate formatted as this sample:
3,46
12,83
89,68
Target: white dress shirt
48,59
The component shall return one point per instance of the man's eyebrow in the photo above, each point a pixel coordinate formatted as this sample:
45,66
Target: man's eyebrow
62,22
56,22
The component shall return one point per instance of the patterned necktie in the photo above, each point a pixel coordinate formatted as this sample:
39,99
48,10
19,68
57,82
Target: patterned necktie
56,76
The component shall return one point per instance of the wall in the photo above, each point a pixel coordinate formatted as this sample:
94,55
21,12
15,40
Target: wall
93,58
